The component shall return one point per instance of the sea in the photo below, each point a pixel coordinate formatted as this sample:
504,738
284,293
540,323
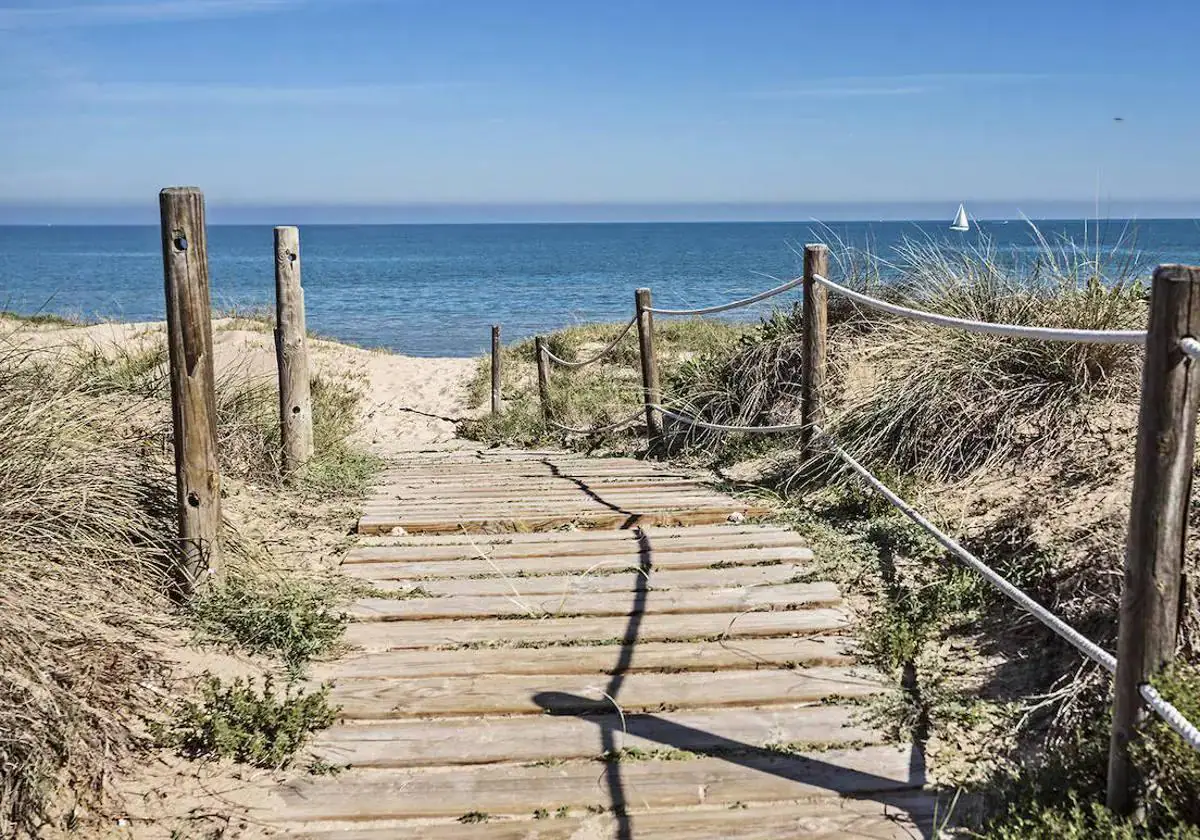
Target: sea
435,290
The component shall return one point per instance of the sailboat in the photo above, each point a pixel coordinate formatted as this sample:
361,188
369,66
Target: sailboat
960,220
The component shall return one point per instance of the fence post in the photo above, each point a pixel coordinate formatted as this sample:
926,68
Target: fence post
651,390
815,328
543,369
1158,516
193,402
496,361
291,353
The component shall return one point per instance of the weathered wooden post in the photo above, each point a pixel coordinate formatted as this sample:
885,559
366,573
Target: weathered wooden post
815,332
1162,484
291,353
651,390
193,402
496,349
543,370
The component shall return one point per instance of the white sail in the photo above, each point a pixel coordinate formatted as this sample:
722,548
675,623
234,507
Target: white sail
960,220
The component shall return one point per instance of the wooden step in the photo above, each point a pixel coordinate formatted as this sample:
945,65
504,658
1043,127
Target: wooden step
375,636
492,694
896,816
657,580
640,600
467,566
876,771
674,657
382,523
725,530
417,743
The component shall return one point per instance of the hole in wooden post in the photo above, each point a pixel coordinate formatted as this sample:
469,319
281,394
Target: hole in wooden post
193,499
295,409
181,243
291,257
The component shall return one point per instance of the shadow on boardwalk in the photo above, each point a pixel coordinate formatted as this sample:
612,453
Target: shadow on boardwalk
801,769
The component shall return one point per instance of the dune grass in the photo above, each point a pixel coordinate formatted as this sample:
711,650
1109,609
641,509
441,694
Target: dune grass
87,538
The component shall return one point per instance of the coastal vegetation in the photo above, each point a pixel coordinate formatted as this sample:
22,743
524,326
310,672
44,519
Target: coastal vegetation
1022,449
91,667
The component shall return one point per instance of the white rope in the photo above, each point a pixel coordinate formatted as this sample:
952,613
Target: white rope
1011,330
596,430
1082,643
578,363
1190,347
720,427
1173,717
712,310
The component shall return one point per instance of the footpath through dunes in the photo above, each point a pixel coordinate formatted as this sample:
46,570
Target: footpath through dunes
627,678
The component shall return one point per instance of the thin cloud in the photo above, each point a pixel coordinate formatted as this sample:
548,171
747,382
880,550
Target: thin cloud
147,11
853,86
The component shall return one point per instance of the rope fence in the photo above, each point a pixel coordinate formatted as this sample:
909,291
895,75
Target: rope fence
1170,402
1009,330
736,304
578,363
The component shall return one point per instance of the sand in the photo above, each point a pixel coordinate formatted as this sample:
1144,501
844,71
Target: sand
409,403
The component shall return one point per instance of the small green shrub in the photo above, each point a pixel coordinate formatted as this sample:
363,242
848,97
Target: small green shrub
1170,767
1072,818
292,619
128,368
235,721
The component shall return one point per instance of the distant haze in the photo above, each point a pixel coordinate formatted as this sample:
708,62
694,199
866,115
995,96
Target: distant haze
219,213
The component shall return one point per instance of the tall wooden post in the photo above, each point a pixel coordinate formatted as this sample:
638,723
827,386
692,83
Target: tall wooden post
496,371
815,333
543,370
1162,483
291,353
651,390
193,402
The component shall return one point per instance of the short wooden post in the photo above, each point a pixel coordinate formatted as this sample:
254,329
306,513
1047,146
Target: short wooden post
291,352
543,370
815,333
496,371
1162,485
651,390
193,402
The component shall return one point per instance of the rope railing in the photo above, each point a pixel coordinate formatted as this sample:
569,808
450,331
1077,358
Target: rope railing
721,427
987,327
578,363
736,304
595,430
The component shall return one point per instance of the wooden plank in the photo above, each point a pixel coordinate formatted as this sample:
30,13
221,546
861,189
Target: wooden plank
740,576
383,523
506,501
675,657
666,602
534,694
521,566
469,487
565,543
418,743
903,816
372,636
384,794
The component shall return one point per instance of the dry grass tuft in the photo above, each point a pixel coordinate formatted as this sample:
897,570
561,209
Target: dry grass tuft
86,514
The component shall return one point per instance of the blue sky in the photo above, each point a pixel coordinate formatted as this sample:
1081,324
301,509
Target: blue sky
409,102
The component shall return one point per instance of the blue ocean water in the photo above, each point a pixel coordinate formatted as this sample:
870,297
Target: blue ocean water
434,290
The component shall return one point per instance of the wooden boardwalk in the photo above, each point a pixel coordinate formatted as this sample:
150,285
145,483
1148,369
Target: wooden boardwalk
622,679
